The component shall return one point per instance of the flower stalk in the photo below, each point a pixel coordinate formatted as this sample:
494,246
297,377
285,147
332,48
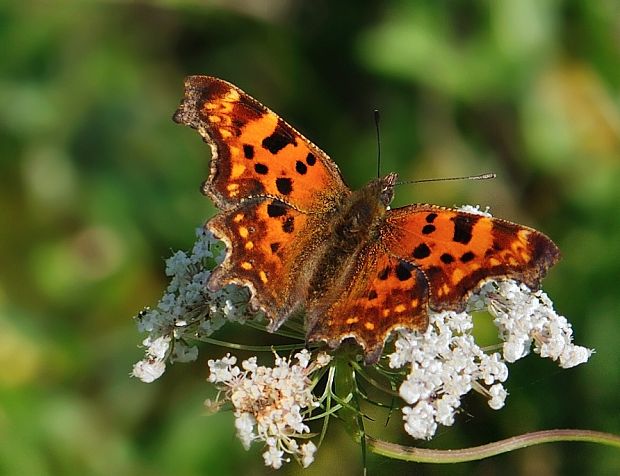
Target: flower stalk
423,455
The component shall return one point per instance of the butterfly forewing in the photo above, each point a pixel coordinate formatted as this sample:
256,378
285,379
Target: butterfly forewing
255,153
457,251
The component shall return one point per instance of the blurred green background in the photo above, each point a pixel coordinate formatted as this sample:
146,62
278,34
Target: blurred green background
97,186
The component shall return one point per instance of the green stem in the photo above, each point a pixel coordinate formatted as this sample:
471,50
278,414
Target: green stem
280,332
251,348
372,381
421,455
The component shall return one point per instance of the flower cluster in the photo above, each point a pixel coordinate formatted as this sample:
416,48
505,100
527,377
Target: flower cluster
524,317
446,363
270,403
188,310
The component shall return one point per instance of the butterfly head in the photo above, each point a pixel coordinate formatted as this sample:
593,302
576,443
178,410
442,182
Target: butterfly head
383,188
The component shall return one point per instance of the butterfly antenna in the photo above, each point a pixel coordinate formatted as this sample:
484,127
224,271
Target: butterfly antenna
376,115
486,176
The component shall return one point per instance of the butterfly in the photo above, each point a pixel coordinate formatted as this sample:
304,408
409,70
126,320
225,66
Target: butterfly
301,240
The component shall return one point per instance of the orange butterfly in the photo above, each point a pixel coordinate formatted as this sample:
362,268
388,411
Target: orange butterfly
300,239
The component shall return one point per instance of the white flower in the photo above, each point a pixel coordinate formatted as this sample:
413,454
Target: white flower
148,370
202,247
273,457
420,421
475,209
323,359
270,403
574,355
498,396
524,317
307,451
167,302
157,348
222,370
188,309
177,264
446,363
244,424
303,358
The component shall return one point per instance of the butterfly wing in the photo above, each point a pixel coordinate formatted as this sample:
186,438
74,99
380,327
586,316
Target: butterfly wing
425,257
268,243
274,187
458,251
255,152
384,293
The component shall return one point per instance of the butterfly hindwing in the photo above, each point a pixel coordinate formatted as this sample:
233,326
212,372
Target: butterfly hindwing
384,293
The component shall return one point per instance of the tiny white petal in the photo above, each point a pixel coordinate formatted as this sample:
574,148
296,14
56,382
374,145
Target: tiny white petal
303,357
498,396
323,359
420,421
157,347
148,370
574,355
273,457
307,451
244,424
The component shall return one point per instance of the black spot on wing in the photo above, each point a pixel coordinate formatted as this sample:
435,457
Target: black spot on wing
403,271
372,295
463,225
301,167
310,159
248,151
421,251
261,169
430,218
467,256
276,209
284,185
274,247
384,273
446,258
428,229
277,141
289,225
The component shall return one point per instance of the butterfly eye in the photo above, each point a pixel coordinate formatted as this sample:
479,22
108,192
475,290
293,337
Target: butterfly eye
387,194
387,188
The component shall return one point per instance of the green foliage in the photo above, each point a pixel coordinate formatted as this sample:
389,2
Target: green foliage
98,184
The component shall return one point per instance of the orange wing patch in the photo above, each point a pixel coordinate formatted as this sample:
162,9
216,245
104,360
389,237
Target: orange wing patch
385,294
457,251
262,239
255,153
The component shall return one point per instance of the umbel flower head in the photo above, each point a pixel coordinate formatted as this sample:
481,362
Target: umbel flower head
270,402
275,404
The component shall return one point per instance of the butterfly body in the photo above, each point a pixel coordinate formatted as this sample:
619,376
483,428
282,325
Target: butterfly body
300,239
